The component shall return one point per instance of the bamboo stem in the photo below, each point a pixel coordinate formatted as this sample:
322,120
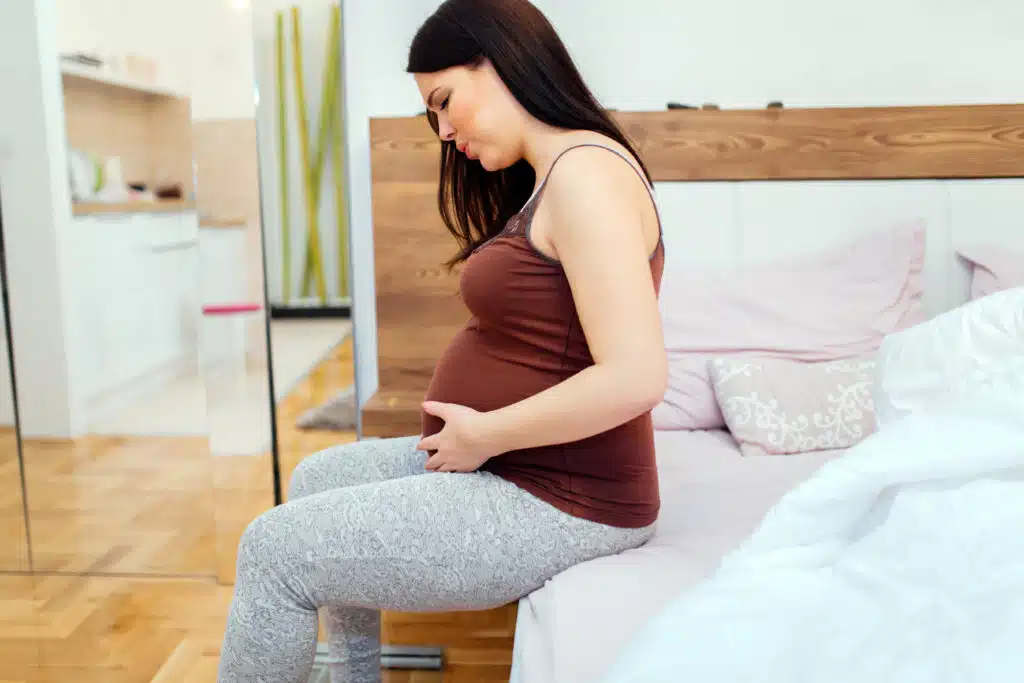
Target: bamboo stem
312,213
338,157
323,132
282,156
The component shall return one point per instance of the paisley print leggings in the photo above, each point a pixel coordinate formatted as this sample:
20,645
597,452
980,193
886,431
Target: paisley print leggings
367,528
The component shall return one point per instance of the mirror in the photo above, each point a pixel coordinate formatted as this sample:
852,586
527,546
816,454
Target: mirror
234,350
105,296
299,72
14,551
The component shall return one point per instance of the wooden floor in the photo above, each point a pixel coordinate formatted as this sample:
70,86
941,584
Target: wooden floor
144,509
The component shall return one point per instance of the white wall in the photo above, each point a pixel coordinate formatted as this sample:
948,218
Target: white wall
737,53
35,205
221,58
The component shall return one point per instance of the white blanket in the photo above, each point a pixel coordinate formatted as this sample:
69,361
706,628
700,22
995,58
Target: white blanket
902,561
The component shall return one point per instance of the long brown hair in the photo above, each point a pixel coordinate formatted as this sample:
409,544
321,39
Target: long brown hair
535,65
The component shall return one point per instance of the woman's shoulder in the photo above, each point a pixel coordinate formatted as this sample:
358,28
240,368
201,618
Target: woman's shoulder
596,148
595,170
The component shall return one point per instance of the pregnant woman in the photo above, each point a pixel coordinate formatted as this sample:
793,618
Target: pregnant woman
536,451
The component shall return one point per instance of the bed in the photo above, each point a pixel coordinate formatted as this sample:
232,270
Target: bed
713,497
728,246
748,199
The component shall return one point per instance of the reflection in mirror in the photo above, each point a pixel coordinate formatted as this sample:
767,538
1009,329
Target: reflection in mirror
105,301
250,153
304,195
14,551
234,339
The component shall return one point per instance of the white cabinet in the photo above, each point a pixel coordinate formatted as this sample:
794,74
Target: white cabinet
80,27
143,43
133,292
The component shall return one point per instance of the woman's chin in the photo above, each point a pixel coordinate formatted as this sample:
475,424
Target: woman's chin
490,164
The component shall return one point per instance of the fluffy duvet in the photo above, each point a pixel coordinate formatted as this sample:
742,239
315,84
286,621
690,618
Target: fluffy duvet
902,561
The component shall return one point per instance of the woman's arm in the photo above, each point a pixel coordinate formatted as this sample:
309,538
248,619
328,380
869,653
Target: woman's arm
594,205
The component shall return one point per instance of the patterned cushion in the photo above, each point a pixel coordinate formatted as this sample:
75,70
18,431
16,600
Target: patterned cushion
776,406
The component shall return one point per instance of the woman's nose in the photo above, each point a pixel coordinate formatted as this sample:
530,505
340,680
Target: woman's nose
444,129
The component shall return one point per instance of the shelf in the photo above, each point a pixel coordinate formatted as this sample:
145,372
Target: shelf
71,70
161,206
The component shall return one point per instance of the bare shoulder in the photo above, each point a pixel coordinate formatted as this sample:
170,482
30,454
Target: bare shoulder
592,173
593,193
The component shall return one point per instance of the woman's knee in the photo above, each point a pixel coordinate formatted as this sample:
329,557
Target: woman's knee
262,540
271,555
320,471
306,475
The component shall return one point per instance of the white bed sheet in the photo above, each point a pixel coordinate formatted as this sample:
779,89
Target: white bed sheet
571,630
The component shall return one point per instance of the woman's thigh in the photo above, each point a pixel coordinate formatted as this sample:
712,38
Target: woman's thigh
436,542
362,462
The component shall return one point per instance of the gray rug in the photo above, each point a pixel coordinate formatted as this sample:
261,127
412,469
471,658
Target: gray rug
337,415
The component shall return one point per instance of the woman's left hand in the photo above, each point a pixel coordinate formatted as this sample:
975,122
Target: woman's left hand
462,444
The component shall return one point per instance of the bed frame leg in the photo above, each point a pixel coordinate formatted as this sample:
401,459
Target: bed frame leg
407,657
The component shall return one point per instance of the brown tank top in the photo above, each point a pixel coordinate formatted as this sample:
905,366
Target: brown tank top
524,336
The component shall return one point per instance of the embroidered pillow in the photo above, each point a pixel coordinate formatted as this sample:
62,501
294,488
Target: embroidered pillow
775,406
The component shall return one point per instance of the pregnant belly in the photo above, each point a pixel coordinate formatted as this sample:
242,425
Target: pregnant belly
482,375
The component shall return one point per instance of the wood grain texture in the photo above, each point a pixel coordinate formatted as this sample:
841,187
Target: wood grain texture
13,531
980,141
120,504
392,412
418,307
418,310
169,630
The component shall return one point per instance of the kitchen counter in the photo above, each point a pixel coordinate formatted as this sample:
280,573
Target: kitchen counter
161,206
222,221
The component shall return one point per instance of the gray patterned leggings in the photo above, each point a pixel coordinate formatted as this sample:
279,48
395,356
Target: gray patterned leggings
368,528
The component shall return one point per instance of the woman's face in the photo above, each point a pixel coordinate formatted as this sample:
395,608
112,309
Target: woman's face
476,111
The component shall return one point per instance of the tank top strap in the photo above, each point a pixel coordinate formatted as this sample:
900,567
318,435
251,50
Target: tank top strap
531,204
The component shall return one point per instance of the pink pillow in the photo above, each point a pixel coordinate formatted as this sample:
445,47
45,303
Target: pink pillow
781,407
839,304
993,268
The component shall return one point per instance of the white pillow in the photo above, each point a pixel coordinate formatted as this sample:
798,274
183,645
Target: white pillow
981,342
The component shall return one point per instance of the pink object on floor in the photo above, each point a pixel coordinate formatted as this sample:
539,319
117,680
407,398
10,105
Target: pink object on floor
228,309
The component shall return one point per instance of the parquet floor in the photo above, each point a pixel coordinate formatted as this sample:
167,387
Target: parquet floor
138,507
13,546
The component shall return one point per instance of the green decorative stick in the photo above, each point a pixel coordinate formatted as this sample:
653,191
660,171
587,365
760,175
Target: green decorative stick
282,158
338,157
331,72
312,217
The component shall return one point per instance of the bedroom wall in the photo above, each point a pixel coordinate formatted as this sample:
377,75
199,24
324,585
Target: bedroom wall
33,181
737,53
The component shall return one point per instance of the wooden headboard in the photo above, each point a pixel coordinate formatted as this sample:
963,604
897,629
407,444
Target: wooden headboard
418,309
